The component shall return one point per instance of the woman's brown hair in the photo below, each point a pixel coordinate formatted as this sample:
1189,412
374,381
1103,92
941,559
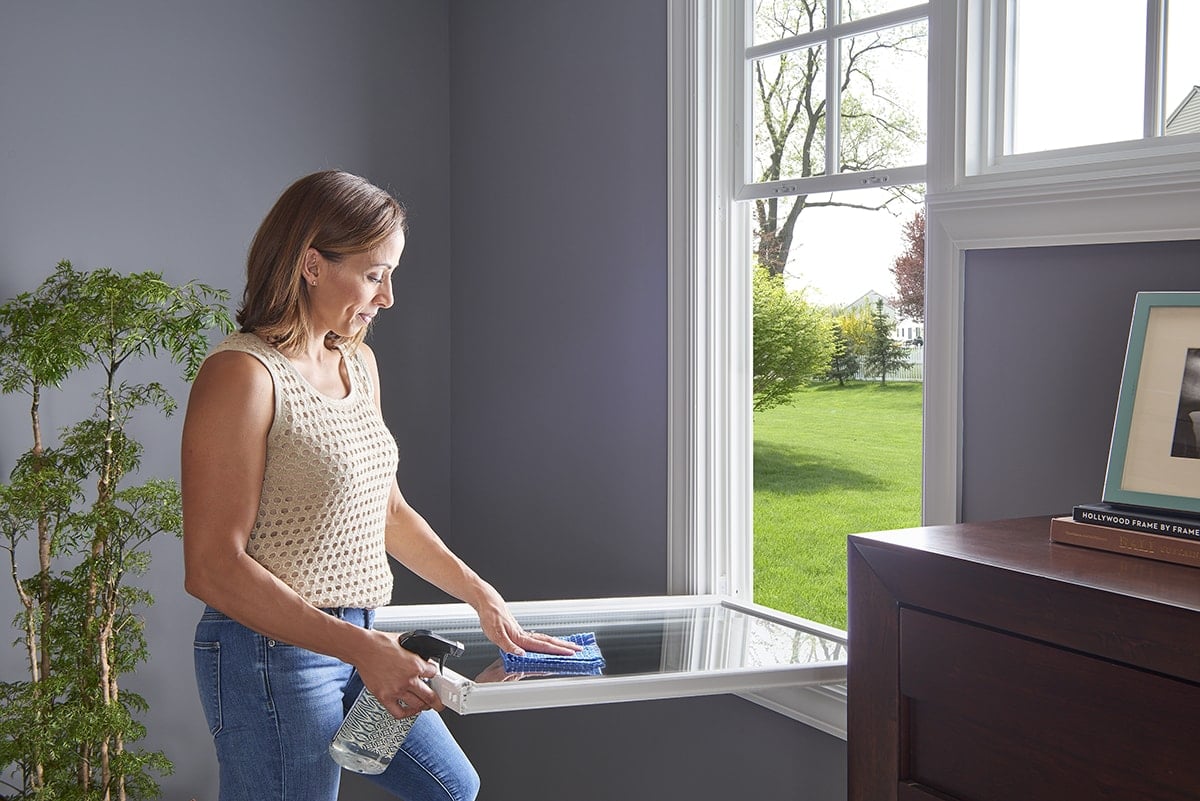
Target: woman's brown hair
335,213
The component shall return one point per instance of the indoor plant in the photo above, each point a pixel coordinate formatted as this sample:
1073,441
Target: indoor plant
68,731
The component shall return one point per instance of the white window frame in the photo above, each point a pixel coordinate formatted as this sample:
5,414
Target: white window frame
830,37
710,435
1128,192
986,39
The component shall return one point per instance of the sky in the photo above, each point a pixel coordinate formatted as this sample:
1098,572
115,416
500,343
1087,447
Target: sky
1098,70
840,254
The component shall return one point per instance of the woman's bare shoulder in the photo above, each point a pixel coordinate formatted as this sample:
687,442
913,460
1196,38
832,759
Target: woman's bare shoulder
233,379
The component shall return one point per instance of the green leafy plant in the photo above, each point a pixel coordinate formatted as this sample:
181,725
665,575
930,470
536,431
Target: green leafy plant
69,731
793,340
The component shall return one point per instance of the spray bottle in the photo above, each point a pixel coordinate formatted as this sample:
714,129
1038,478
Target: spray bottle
370,736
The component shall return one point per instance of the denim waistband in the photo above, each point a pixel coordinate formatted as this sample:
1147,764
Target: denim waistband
352,614
360,616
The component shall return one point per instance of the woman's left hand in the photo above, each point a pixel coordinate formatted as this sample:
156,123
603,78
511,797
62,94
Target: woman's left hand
503,629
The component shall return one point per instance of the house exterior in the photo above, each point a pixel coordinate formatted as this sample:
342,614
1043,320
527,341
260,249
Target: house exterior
905,329
1186,118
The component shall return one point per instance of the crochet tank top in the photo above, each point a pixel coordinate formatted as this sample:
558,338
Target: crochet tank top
330,467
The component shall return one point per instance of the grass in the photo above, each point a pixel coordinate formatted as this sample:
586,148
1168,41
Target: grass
836,461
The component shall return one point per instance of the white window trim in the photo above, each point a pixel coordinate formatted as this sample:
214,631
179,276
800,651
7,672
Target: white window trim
1124,192
709,436
710,425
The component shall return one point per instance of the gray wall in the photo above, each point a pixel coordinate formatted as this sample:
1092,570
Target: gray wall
559,404
559,292
141,134
1042,368
524,363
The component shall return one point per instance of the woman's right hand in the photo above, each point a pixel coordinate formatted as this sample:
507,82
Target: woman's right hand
396,676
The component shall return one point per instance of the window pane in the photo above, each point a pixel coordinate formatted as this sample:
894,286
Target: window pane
1079,74
860,9
779,19
1182,107
836,457
788,101
884,86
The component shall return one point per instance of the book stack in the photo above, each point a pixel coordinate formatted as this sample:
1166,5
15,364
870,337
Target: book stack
1165,535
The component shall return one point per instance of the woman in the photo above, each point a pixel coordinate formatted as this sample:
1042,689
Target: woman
291,506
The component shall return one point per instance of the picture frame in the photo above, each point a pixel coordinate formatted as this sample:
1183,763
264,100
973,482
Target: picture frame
1154,460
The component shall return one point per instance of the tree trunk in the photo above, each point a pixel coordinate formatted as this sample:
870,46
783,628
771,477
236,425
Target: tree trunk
104,605
39,652
43,536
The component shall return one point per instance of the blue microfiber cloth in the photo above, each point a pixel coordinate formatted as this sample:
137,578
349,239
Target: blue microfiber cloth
587,661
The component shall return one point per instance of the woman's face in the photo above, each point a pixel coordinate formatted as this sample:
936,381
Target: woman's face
347,295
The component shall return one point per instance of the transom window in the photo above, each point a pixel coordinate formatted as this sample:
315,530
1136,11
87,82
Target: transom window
1072,82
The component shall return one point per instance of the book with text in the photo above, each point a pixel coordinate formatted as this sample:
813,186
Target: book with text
1138,518
1179,550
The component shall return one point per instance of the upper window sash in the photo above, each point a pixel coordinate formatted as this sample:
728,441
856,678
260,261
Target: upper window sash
830,36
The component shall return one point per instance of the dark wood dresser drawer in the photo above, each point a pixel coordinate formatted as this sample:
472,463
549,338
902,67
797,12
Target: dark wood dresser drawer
992,717
988,664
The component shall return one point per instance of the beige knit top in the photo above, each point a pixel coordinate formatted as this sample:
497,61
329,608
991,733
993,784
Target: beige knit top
330,466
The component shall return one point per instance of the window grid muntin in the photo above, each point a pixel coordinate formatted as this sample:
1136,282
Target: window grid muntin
831,37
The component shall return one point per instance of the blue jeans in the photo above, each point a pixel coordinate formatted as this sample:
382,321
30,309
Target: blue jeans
272,709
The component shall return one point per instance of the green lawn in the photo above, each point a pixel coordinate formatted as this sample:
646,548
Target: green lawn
836,461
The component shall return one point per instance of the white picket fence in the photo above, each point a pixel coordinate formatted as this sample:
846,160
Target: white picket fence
915,372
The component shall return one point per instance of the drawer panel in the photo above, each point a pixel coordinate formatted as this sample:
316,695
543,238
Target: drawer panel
988,716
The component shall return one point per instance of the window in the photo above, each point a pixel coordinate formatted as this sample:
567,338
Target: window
1140,190
1062,83
809,56
833,92
836,99
714,190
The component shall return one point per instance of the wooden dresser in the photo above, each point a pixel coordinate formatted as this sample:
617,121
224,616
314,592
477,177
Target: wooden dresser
989,664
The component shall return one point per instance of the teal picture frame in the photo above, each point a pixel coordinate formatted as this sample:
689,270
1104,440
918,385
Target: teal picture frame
1154,459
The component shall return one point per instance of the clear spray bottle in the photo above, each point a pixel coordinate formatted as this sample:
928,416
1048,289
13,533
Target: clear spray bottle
370,736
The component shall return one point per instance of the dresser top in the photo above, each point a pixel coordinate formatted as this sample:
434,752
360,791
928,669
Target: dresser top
1022,545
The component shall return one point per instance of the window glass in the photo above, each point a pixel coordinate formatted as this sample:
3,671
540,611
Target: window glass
780,19
1181,107
884,80
788,110
1079,75
842,453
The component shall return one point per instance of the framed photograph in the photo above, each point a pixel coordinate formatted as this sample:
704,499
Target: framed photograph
1155,456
